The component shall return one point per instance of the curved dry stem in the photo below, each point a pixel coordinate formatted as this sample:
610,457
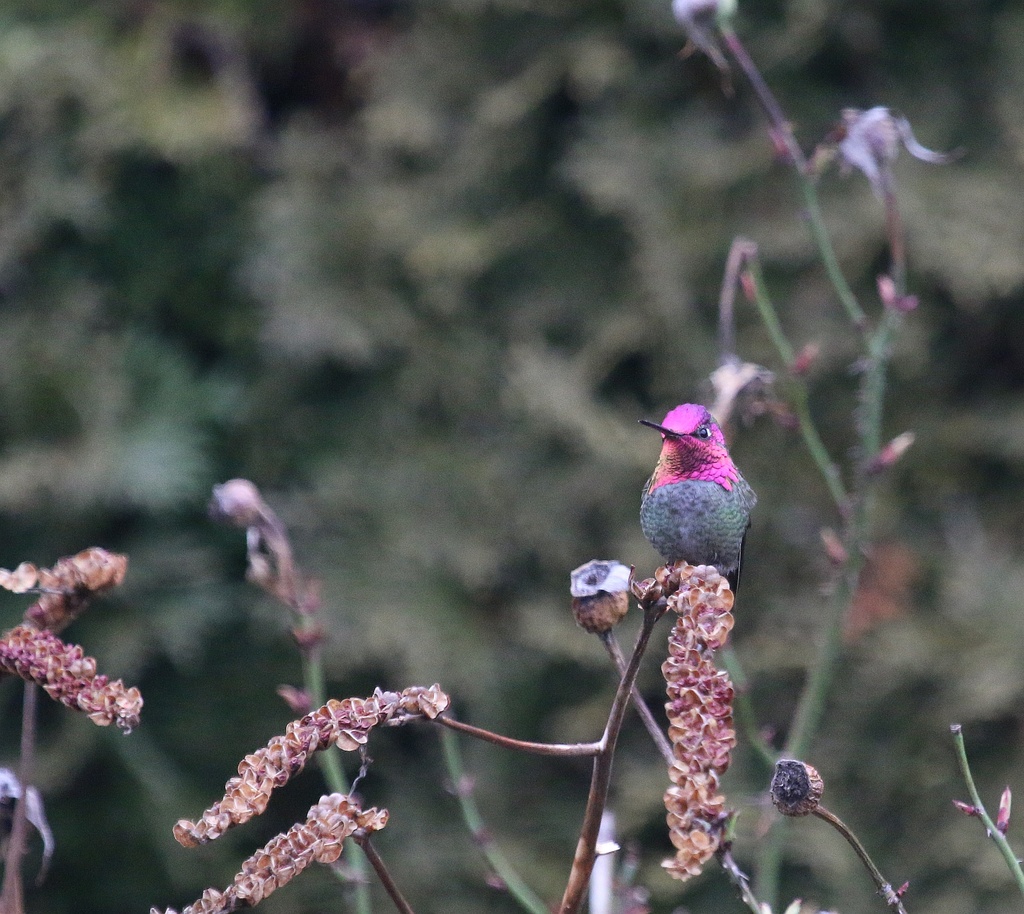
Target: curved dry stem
586,847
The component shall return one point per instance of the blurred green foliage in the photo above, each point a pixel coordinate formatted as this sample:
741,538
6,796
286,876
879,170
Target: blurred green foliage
416,268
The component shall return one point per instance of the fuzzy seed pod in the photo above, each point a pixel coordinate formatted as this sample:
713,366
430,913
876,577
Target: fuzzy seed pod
796,788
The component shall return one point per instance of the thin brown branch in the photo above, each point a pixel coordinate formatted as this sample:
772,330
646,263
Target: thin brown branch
586,847
383,874
564,750
646,715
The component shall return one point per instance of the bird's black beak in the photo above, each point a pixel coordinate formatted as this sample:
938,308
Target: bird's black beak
667,432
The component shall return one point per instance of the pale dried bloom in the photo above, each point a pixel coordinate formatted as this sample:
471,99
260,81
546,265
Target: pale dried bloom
67,587
318,839
600,594
67,675
871,142
700,715
346,724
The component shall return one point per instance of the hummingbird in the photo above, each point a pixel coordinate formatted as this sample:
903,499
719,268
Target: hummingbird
696,505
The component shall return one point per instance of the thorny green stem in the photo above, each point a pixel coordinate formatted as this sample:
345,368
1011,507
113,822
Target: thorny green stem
800,400
855,507
383,874
586,847
611,644
461,784
994,833
885,888
782,133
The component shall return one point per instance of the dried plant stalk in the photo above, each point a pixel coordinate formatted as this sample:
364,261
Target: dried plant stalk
318,839
699,713
346,724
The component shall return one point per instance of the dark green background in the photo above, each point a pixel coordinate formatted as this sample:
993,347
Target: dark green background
416,268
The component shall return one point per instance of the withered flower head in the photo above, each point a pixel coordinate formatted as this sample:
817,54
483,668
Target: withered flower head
796,787
67,587
871,140
237,501
600,594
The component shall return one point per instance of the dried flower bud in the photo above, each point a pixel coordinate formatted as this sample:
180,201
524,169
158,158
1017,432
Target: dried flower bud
805,360
834,548
796,788
891,452
238,502
1003,816
743,388
699,18
893,300
966,808
297,699
600,592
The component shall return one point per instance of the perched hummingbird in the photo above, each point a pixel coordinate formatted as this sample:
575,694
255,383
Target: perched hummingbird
696,505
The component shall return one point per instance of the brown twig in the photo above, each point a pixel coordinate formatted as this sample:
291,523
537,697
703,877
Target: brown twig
586,853
383,874
11,894
646,715
518,745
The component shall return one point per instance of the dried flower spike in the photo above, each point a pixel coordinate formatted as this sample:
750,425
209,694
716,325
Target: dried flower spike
600,594
346,724
67,675
796,788
700,717
67,587
319,839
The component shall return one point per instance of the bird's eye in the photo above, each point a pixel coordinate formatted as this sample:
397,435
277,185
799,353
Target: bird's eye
703,432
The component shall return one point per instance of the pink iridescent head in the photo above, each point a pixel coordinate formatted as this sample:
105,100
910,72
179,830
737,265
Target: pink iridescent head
693,448
689,419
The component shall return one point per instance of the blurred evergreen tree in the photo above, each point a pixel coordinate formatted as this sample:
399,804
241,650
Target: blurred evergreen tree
416,269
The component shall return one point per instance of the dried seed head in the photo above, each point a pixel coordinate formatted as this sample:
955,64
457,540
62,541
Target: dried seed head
600,591
700,717
67,675
319,839
796,788
346,724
